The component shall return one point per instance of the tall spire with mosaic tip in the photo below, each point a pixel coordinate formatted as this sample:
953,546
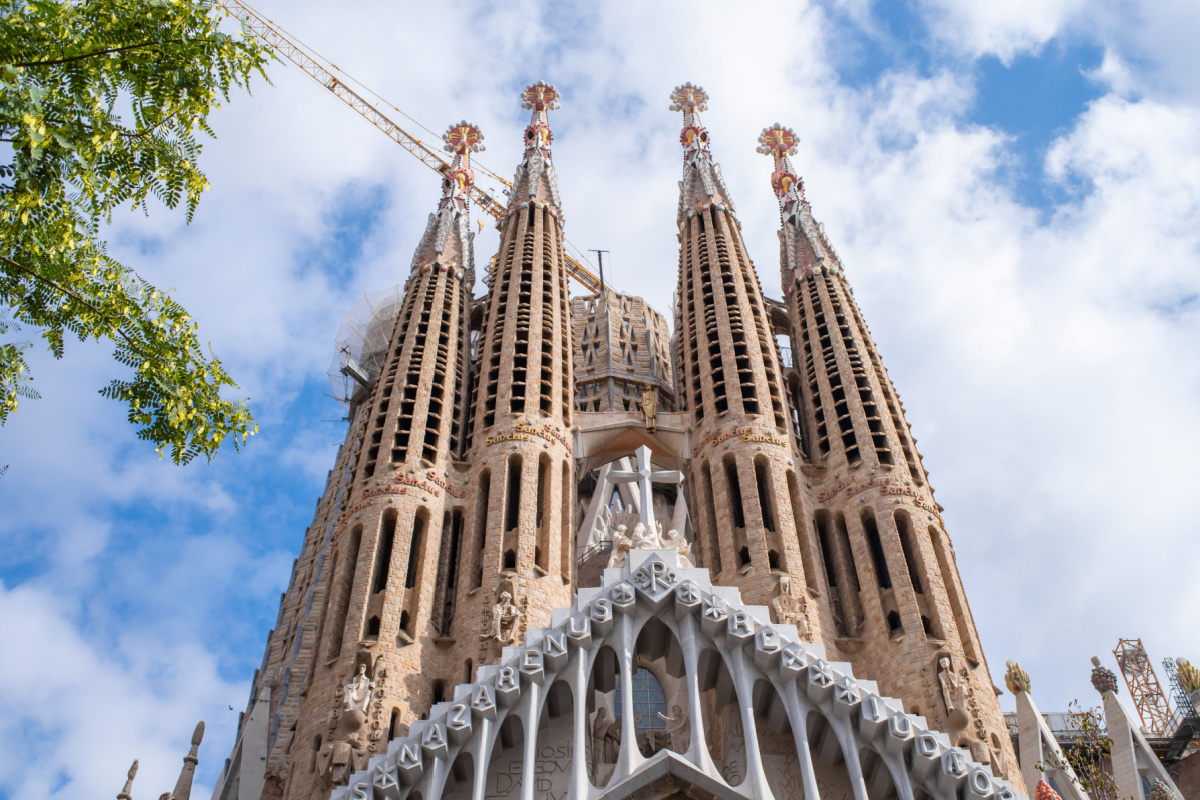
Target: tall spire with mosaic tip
448,240
535,180
730,381
702,183
516,557
896,606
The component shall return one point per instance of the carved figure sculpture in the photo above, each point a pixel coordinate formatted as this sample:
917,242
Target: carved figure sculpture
674,541
621,542
953,694
505,620
358,692
650,409
674,736
788,608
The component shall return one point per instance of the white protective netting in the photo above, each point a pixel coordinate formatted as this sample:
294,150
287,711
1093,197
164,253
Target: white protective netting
362,341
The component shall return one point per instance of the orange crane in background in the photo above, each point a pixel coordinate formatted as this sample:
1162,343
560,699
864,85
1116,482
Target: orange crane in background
1144,688
325,73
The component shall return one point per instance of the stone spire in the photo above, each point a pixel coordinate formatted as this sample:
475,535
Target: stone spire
802,239
535,180
125,792
448,241
742,474
183,786
702,184
891,599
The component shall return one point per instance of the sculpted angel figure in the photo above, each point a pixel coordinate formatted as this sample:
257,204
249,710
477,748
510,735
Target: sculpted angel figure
674,541
505,616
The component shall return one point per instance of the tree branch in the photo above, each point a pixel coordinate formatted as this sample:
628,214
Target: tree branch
83,56
64,290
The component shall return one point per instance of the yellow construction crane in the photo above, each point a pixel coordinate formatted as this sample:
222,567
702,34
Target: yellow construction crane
323,73
1144,688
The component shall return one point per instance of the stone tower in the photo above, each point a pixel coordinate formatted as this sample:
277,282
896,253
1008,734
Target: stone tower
522,476
622,348
374,598
889,576
743,477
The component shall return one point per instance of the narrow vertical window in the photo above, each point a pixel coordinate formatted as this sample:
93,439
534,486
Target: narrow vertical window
383,552
512,499
876,546
764,493
414,550
735,494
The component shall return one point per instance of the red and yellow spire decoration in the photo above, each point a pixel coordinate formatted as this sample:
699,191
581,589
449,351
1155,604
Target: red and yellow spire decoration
448,241
805,247
702,185
535,181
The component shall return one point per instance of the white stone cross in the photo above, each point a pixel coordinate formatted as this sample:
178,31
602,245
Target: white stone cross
644,477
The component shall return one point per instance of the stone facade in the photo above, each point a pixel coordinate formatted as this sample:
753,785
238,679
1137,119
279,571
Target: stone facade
449,527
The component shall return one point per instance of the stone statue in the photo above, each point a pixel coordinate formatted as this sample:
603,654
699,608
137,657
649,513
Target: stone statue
673,736
506,618
647,537
606,738
954,692
124,795
621,542
674,541
788,608
650,409
358,692
339,760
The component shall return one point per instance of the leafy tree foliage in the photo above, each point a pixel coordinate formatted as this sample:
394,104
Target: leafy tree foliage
102,101
1085,762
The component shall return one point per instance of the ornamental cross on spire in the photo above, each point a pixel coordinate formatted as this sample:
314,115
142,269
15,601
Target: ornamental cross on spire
691,100
539,97
781,142
645,477
462,139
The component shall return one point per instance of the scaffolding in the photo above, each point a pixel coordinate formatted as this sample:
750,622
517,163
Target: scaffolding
1185,730
1144,688
362,343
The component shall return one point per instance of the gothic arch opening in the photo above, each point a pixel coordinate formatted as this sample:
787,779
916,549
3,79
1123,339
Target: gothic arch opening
876,775
345,587
460,779
481,518
828,761
544,515
722,717
604,727
658,653
776,744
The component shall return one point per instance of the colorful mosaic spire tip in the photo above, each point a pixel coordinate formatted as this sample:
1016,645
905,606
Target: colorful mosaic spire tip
540,96
462,138
689,99
778,141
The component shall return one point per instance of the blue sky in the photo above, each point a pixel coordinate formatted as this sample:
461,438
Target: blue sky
1015,189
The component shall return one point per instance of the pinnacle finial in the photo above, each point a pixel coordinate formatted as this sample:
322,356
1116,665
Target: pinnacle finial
778,141
689,99
540,96
462,138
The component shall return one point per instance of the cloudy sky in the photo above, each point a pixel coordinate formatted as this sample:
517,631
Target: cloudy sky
1014,187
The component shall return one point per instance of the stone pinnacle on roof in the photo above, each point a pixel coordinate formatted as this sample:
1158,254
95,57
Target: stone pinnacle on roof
702,185
535,180
438,246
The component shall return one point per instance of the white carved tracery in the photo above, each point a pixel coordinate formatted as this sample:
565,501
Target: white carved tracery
454,752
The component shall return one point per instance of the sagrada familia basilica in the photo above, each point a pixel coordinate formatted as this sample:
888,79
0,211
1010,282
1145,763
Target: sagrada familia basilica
564,554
